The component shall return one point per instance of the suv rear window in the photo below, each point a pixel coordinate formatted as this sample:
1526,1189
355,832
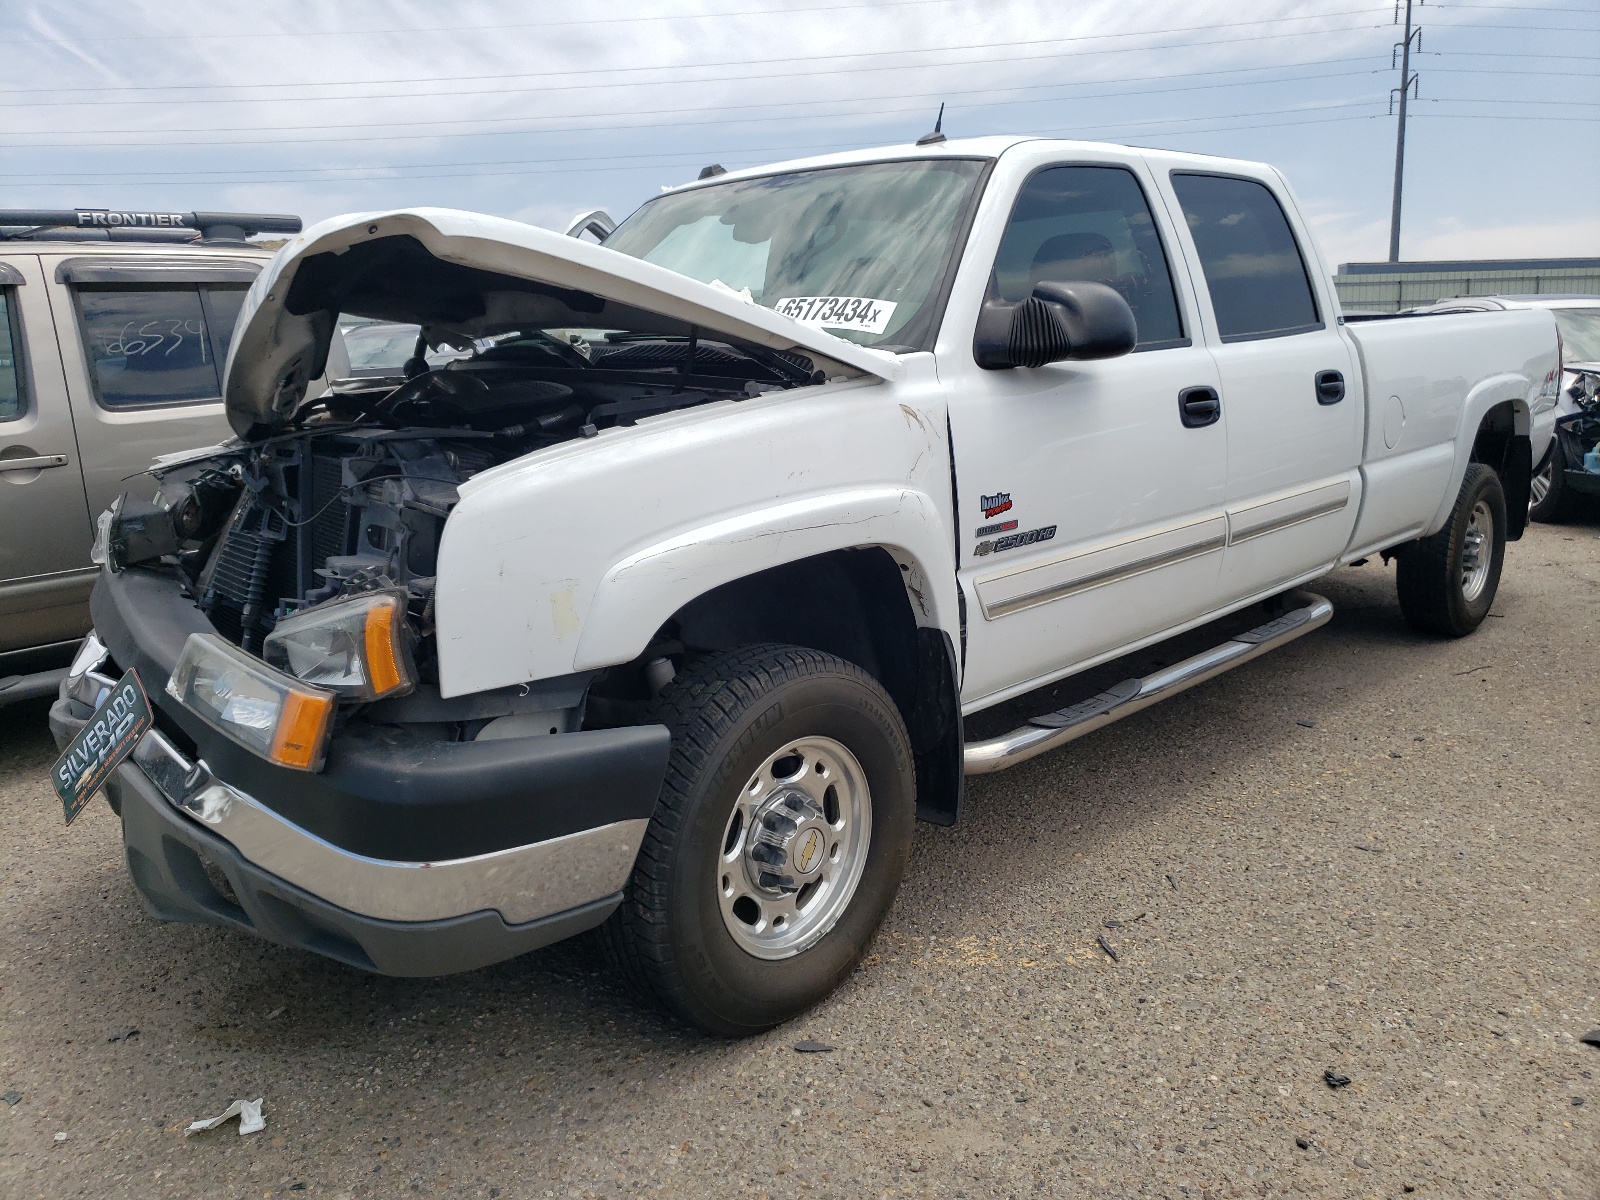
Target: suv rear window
10,368
154,344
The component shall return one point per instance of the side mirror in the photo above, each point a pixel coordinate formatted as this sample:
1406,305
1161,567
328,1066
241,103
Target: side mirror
597,224
1059,321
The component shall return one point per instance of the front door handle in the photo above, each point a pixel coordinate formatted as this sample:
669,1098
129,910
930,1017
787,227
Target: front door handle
34,462
1199,406
1330,387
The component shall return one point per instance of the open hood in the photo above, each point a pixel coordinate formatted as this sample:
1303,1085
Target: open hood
463,275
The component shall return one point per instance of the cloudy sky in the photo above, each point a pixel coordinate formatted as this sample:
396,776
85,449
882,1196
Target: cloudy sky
538,111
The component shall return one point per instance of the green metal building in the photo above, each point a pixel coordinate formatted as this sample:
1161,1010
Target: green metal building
1390,287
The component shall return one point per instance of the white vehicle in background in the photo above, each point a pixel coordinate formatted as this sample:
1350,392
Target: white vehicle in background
1569,474
663,610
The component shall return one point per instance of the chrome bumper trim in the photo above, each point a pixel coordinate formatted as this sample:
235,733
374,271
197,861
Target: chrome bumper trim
1046,732
523,883
91,654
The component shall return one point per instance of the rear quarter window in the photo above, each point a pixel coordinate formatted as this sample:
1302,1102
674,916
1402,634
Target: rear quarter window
157,344
1253,267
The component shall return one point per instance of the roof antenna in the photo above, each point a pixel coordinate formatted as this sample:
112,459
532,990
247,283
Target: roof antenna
929,139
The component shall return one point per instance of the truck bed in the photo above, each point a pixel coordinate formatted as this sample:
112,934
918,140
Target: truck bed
1428,384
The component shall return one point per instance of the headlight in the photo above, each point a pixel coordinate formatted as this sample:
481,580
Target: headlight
359,648
282,719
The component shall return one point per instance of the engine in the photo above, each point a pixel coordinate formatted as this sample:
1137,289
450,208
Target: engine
354,496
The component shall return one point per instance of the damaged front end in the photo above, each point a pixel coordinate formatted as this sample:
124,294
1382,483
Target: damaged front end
322,501
352,498
307,778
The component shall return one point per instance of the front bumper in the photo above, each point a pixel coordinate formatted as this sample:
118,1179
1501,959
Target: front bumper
185,871
401,856
382,792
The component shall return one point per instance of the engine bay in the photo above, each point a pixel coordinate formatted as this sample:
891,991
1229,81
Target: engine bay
352,495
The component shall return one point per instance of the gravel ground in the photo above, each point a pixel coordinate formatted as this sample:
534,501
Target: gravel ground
1369,853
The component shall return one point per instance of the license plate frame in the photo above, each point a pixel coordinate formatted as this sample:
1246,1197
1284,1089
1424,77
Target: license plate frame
102,745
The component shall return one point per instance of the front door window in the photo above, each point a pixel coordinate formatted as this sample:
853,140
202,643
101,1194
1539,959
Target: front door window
1093,225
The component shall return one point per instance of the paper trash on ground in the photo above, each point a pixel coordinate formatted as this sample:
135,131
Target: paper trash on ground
248,1112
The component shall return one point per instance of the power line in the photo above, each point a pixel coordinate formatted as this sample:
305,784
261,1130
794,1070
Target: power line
747,62
687,158
790,115
505,120
794,108
791,104
328,172
767,149
541,25
506,92
675,157
921,106
1519,8
1501,100
1515,28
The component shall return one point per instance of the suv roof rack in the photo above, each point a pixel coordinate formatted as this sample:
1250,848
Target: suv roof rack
101,224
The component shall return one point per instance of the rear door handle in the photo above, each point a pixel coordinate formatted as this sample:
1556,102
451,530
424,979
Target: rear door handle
1330,387
1199,406
36,462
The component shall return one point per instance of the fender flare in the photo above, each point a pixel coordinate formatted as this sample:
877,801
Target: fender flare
641,591
1509,388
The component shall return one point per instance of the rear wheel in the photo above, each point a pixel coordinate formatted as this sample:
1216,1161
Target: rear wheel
779,841
1447,582
1550,500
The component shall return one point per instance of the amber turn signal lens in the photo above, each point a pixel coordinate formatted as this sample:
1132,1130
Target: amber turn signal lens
383,664
302,726
358,647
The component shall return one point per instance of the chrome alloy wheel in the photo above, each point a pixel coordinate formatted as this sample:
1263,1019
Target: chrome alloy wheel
1477,551
1539,485
794,848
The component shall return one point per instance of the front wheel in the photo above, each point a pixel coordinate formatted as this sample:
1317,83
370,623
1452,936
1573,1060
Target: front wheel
779,841
1447,582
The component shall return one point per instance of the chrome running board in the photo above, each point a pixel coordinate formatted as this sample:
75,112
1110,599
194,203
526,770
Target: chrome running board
1046,732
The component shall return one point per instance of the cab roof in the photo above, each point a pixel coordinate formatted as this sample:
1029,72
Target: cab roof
992,146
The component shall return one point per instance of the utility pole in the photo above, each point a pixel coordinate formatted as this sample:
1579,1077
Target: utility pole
1408,87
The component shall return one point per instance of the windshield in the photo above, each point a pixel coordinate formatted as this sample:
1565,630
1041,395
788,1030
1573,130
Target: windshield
858,251
1580,331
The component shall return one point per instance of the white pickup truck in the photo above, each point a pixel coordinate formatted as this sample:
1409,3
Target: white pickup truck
661,607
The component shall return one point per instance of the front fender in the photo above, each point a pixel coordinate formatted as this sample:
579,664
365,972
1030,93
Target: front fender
572,557
648,586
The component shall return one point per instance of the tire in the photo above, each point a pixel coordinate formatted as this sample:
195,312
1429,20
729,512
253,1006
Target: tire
733,920
1558,503
1446,586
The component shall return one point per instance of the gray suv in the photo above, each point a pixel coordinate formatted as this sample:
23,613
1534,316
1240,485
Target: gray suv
114,329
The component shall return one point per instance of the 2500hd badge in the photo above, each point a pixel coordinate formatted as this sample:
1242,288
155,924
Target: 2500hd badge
1027,538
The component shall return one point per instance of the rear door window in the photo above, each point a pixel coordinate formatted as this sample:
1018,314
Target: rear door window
1254,270
157,344
1093,225
12,405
